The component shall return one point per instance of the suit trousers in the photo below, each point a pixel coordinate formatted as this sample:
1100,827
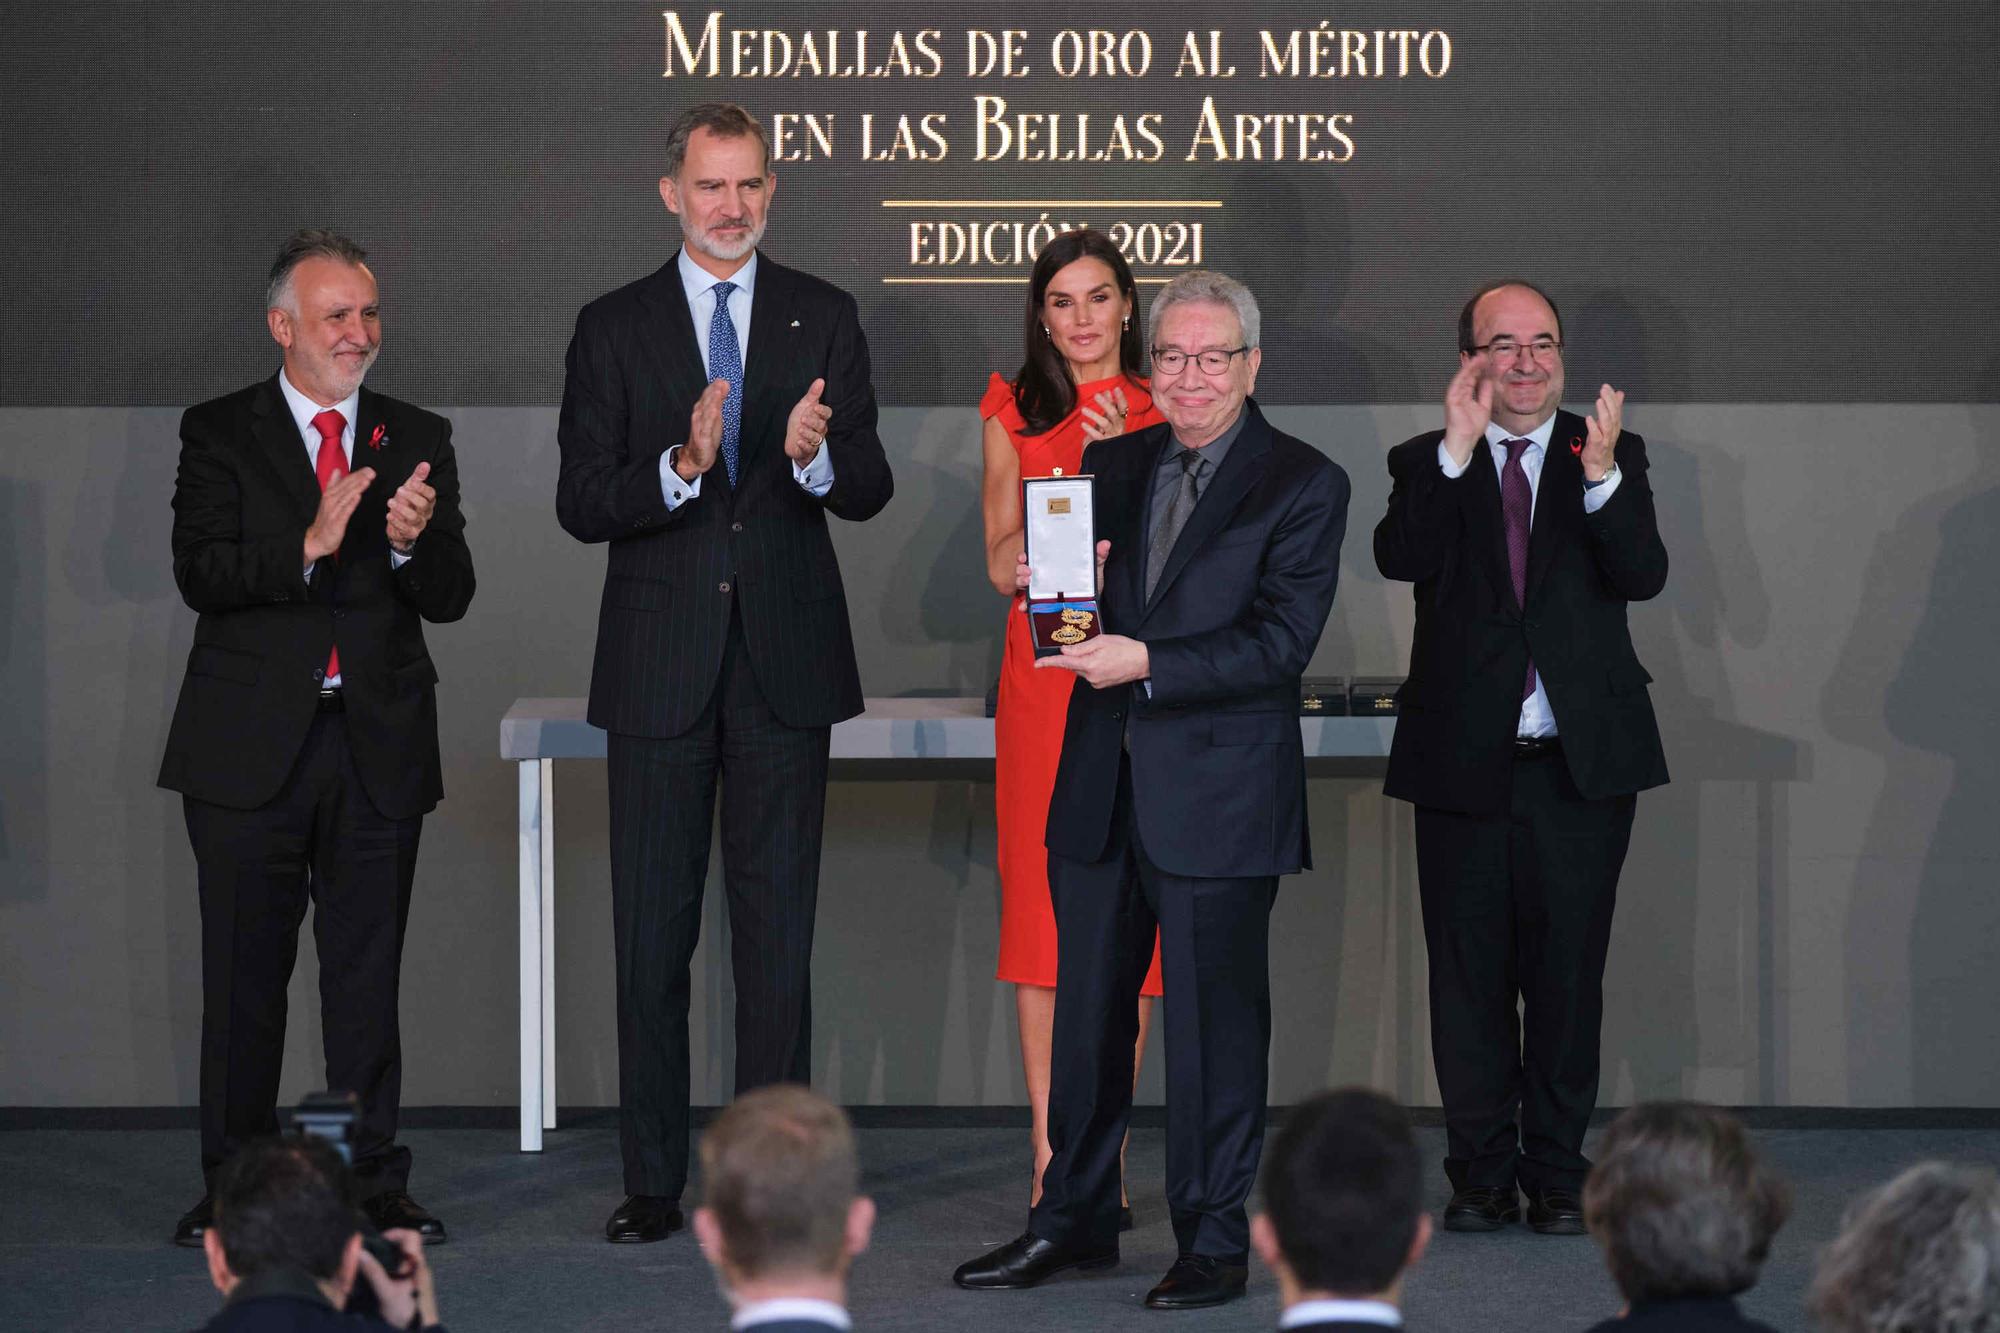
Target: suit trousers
1517,908
1214,939
321,840
662,799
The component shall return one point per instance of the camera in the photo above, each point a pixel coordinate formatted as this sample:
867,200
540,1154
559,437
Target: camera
330,1116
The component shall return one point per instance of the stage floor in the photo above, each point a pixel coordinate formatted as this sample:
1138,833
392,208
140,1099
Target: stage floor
87,1212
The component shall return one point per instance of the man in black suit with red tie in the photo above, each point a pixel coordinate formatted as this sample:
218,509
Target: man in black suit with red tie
1524,734
714,414
1180,797
1343,1220
316,527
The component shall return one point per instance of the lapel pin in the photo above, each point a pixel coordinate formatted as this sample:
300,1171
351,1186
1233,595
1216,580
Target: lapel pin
795,323
379,438
1576,444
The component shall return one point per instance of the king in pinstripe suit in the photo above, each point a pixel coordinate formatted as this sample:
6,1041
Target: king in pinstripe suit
713,414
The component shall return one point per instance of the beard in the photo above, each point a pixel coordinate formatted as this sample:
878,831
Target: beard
347,381
709,243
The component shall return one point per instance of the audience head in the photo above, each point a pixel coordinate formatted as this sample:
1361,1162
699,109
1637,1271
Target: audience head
1680,1203
284,1203
1082,313
1343,1199
1919,1255
781,1212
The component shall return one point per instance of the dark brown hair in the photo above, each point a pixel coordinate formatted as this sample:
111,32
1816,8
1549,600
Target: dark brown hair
1343,1186
1465,343
724,119
285,1203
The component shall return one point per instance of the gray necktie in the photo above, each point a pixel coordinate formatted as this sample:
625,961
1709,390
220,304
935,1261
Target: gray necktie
1176,517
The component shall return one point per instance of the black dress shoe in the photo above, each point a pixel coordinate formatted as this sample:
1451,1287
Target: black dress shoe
1197,1280
395,1208
642,1219
1482,1208
1027,1260
1124,1218
194,1223
1555,1212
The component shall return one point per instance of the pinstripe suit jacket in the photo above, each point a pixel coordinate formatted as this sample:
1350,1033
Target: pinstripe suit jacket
634,373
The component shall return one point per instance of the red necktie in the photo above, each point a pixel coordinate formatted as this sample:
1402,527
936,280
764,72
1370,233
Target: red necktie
331,464
1517,505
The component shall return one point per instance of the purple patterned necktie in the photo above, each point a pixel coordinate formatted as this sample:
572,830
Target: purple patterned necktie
1517,507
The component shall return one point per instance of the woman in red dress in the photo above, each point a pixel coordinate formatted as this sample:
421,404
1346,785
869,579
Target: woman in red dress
1079,382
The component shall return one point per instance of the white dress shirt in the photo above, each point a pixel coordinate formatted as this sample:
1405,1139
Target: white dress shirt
791,1307
1537,719
304,410
699,284
1341,1312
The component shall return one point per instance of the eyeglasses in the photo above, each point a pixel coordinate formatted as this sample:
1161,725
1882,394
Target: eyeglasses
1506,349
1172,360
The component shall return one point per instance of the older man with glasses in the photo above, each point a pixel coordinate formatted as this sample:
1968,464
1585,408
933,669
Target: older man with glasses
1180,797
1525,734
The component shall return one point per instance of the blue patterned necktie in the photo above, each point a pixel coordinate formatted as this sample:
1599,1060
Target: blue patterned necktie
725,362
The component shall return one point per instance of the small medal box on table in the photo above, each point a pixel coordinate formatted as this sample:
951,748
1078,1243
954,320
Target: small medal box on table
1060,530
1373,696
1323,696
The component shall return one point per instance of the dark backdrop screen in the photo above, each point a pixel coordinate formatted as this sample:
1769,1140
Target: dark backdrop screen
1734,202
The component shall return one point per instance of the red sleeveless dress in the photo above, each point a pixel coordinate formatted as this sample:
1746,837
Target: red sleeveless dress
1028,731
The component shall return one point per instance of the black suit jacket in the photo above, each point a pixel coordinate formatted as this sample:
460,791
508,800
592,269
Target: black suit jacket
243,498
1218,774
634,373
1461,704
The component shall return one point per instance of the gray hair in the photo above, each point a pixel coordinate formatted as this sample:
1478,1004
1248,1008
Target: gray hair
1680,1203
1919,1255
306,243
723,119
1207,287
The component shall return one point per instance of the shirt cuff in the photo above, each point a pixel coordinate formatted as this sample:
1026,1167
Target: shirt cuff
397,559
1595,496
816,476
676,491
1450,468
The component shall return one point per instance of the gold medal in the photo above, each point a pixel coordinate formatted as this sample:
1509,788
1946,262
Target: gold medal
1068,634
1081,619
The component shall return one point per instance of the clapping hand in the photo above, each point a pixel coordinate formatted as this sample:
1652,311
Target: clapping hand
704,439
1606,420
410,510
336,506
1107,418
805,429
1468,408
